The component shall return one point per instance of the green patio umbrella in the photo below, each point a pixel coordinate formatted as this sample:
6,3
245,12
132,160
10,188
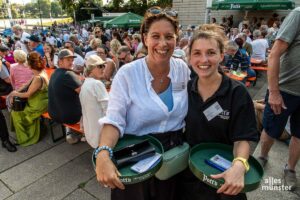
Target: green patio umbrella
253,4
128,20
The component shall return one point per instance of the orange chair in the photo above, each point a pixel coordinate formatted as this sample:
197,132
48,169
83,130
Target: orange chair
258,65
254,61
75,127
49,72
251,80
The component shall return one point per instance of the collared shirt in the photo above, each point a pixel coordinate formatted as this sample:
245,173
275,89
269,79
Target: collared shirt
135,108
235,121
93,98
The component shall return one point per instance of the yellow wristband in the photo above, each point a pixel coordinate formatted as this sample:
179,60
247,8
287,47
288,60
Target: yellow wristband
244,161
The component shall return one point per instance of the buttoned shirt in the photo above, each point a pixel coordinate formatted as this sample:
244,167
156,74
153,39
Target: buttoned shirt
135,108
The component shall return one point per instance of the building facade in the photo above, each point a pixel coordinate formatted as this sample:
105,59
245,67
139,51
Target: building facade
192,12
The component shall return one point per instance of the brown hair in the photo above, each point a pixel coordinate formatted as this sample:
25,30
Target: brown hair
210,31
35,61
150,18
52,49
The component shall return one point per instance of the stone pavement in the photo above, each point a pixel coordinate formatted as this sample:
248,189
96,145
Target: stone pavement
55,171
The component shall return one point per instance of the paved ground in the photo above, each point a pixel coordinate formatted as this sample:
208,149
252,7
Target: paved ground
54,171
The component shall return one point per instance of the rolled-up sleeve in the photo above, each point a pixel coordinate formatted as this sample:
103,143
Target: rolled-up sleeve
118,103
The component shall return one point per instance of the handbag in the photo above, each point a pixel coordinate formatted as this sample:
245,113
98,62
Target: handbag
19,103
175,160
133,153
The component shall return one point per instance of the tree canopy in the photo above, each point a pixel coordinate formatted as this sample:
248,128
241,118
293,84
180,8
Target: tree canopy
45,8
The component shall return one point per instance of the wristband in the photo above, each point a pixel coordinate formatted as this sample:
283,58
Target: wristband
98,149
244,161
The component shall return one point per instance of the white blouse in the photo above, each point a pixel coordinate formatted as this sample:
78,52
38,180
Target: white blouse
93,98
135,108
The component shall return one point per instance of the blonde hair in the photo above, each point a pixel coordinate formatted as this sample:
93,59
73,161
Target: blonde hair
20,56
95,43
114,46
137,37
18,27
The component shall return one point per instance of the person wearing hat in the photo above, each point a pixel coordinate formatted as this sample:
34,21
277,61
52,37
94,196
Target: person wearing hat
78,63
94,99
64,87
35,45
20,33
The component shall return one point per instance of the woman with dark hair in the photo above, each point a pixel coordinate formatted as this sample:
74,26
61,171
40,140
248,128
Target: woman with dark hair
26,123
127,40
116,35
148,97
49,55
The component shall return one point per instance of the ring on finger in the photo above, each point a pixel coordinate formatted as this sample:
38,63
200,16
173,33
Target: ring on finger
105,186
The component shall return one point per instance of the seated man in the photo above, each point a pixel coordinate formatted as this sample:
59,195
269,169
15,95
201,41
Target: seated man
63,93
234,58
260,46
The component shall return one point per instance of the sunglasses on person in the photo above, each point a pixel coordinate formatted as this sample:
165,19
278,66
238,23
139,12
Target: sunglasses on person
97,32
68,47
167,11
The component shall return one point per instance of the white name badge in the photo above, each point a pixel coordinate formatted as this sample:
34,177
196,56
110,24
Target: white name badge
178,86
213,111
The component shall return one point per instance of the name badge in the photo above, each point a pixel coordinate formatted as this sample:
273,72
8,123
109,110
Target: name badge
213,111
178,86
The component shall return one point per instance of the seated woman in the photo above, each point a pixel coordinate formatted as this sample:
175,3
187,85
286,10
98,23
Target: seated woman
50,56
26,123
235,57
110,66
93,98
20,73
220,110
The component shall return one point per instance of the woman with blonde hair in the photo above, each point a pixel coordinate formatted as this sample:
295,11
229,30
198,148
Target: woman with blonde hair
94,44
20,73
114,46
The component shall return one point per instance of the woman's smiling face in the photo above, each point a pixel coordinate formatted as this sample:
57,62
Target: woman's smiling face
205,57
160,40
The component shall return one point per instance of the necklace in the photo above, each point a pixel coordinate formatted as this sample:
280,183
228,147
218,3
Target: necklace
161,81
